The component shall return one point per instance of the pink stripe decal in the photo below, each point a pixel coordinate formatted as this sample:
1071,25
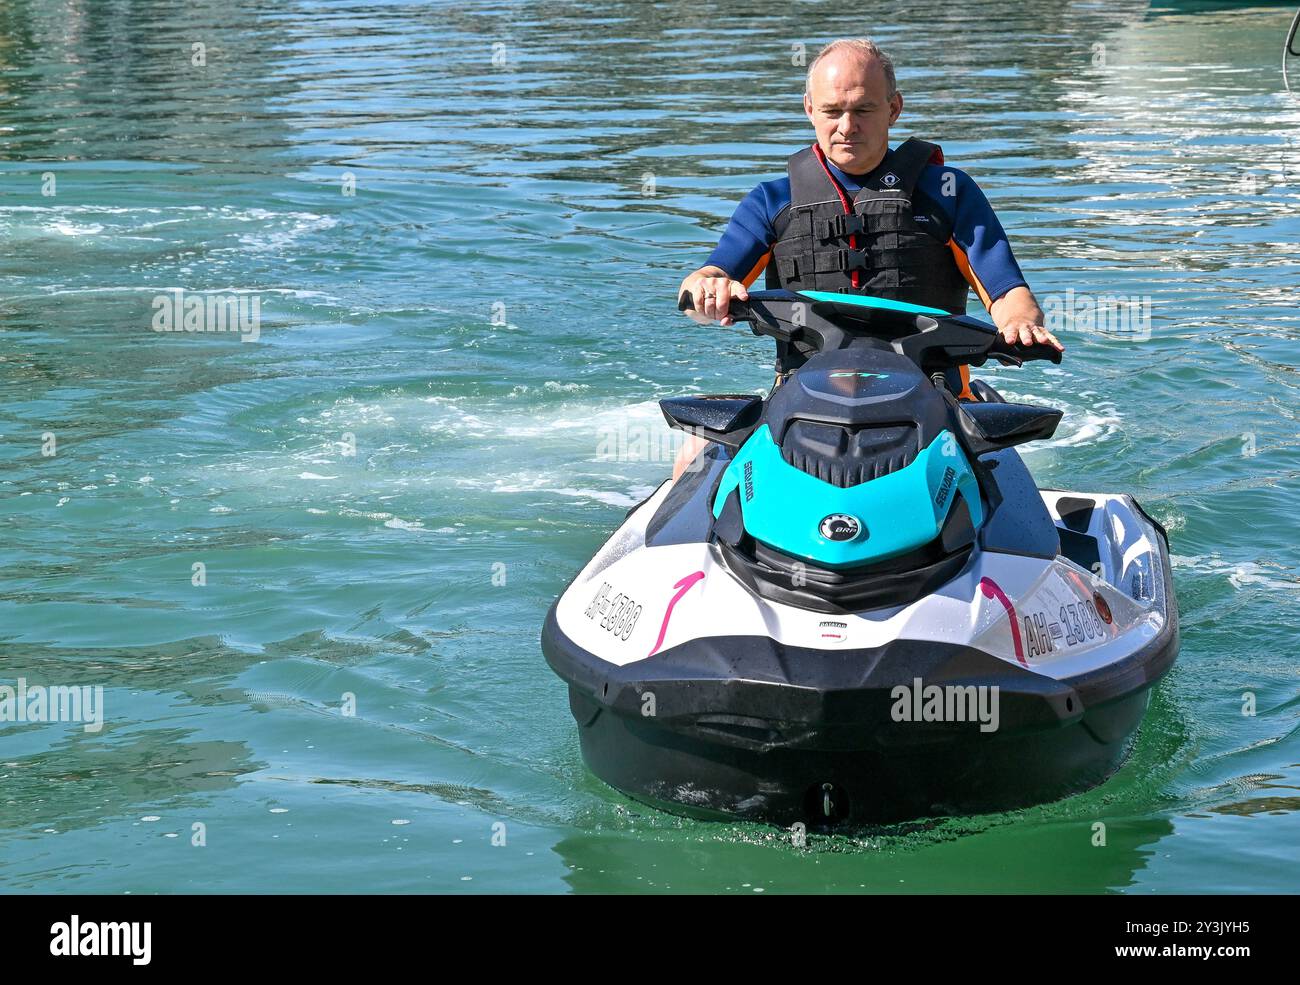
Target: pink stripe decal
682,587
991,590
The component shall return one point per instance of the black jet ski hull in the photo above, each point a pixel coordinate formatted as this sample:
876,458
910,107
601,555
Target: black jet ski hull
745,728
688,775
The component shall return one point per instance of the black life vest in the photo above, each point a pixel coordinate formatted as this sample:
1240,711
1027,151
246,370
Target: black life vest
822,241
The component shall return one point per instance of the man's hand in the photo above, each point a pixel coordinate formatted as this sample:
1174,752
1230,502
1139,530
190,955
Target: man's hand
1020,319
713,290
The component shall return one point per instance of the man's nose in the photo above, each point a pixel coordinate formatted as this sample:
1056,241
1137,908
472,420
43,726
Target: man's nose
845,123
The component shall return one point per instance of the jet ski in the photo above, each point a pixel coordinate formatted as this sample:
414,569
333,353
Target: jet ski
856,607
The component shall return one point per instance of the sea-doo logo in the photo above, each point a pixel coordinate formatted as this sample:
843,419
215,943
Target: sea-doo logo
832,631
889,180
749,481
840,527
945,487
862,376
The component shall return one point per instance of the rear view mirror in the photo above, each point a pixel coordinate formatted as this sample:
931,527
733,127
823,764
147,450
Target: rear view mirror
725,418
992,427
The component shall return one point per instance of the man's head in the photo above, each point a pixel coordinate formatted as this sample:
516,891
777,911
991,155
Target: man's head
852,99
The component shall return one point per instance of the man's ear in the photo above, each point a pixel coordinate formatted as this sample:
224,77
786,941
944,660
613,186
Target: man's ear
807,107
895,108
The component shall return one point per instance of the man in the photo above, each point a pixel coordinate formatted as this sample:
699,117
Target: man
855,217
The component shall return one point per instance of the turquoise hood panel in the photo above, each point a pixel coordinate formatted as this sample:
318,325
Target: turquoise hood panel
785,507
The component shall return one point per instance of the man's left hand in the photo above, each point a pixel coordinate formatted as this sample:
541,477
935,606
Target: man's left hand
1025,332
1020,319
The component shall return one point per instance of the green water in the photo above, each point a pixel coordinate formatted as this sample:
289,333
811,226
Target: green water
494,301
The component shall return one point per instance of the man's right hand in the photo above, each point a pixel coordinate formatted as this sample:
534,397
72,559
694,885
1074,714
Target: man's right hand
712,291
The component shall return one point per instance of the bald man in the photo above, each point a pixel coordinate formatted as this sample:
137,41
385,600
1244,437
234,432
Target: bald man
854,216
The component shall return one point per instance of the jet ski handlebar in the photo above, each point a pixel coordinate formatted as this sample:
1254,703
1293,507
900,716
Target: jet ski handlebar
933,339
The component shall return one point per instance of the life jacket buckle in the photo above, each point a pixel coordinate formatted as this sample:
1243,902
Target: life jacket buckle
839,226
850,260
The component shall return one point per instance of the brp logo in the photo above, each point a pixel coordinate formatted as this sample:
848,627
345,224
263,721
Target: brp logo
840,527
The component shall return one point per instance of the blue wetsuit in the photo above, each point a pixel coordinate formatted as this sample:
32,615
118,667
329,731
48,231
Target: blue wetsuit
978,241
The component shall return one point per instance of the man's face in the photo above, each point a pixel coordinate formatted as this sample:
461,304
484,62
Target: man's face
849,107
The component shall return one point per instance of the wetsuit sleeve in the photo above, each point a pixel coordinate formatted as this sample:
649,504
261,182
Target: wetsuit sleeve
980,244
747,242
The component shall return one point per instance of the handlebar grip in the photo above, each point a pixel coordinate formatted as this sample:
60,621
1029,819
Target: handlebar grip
1040,350
1024,353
